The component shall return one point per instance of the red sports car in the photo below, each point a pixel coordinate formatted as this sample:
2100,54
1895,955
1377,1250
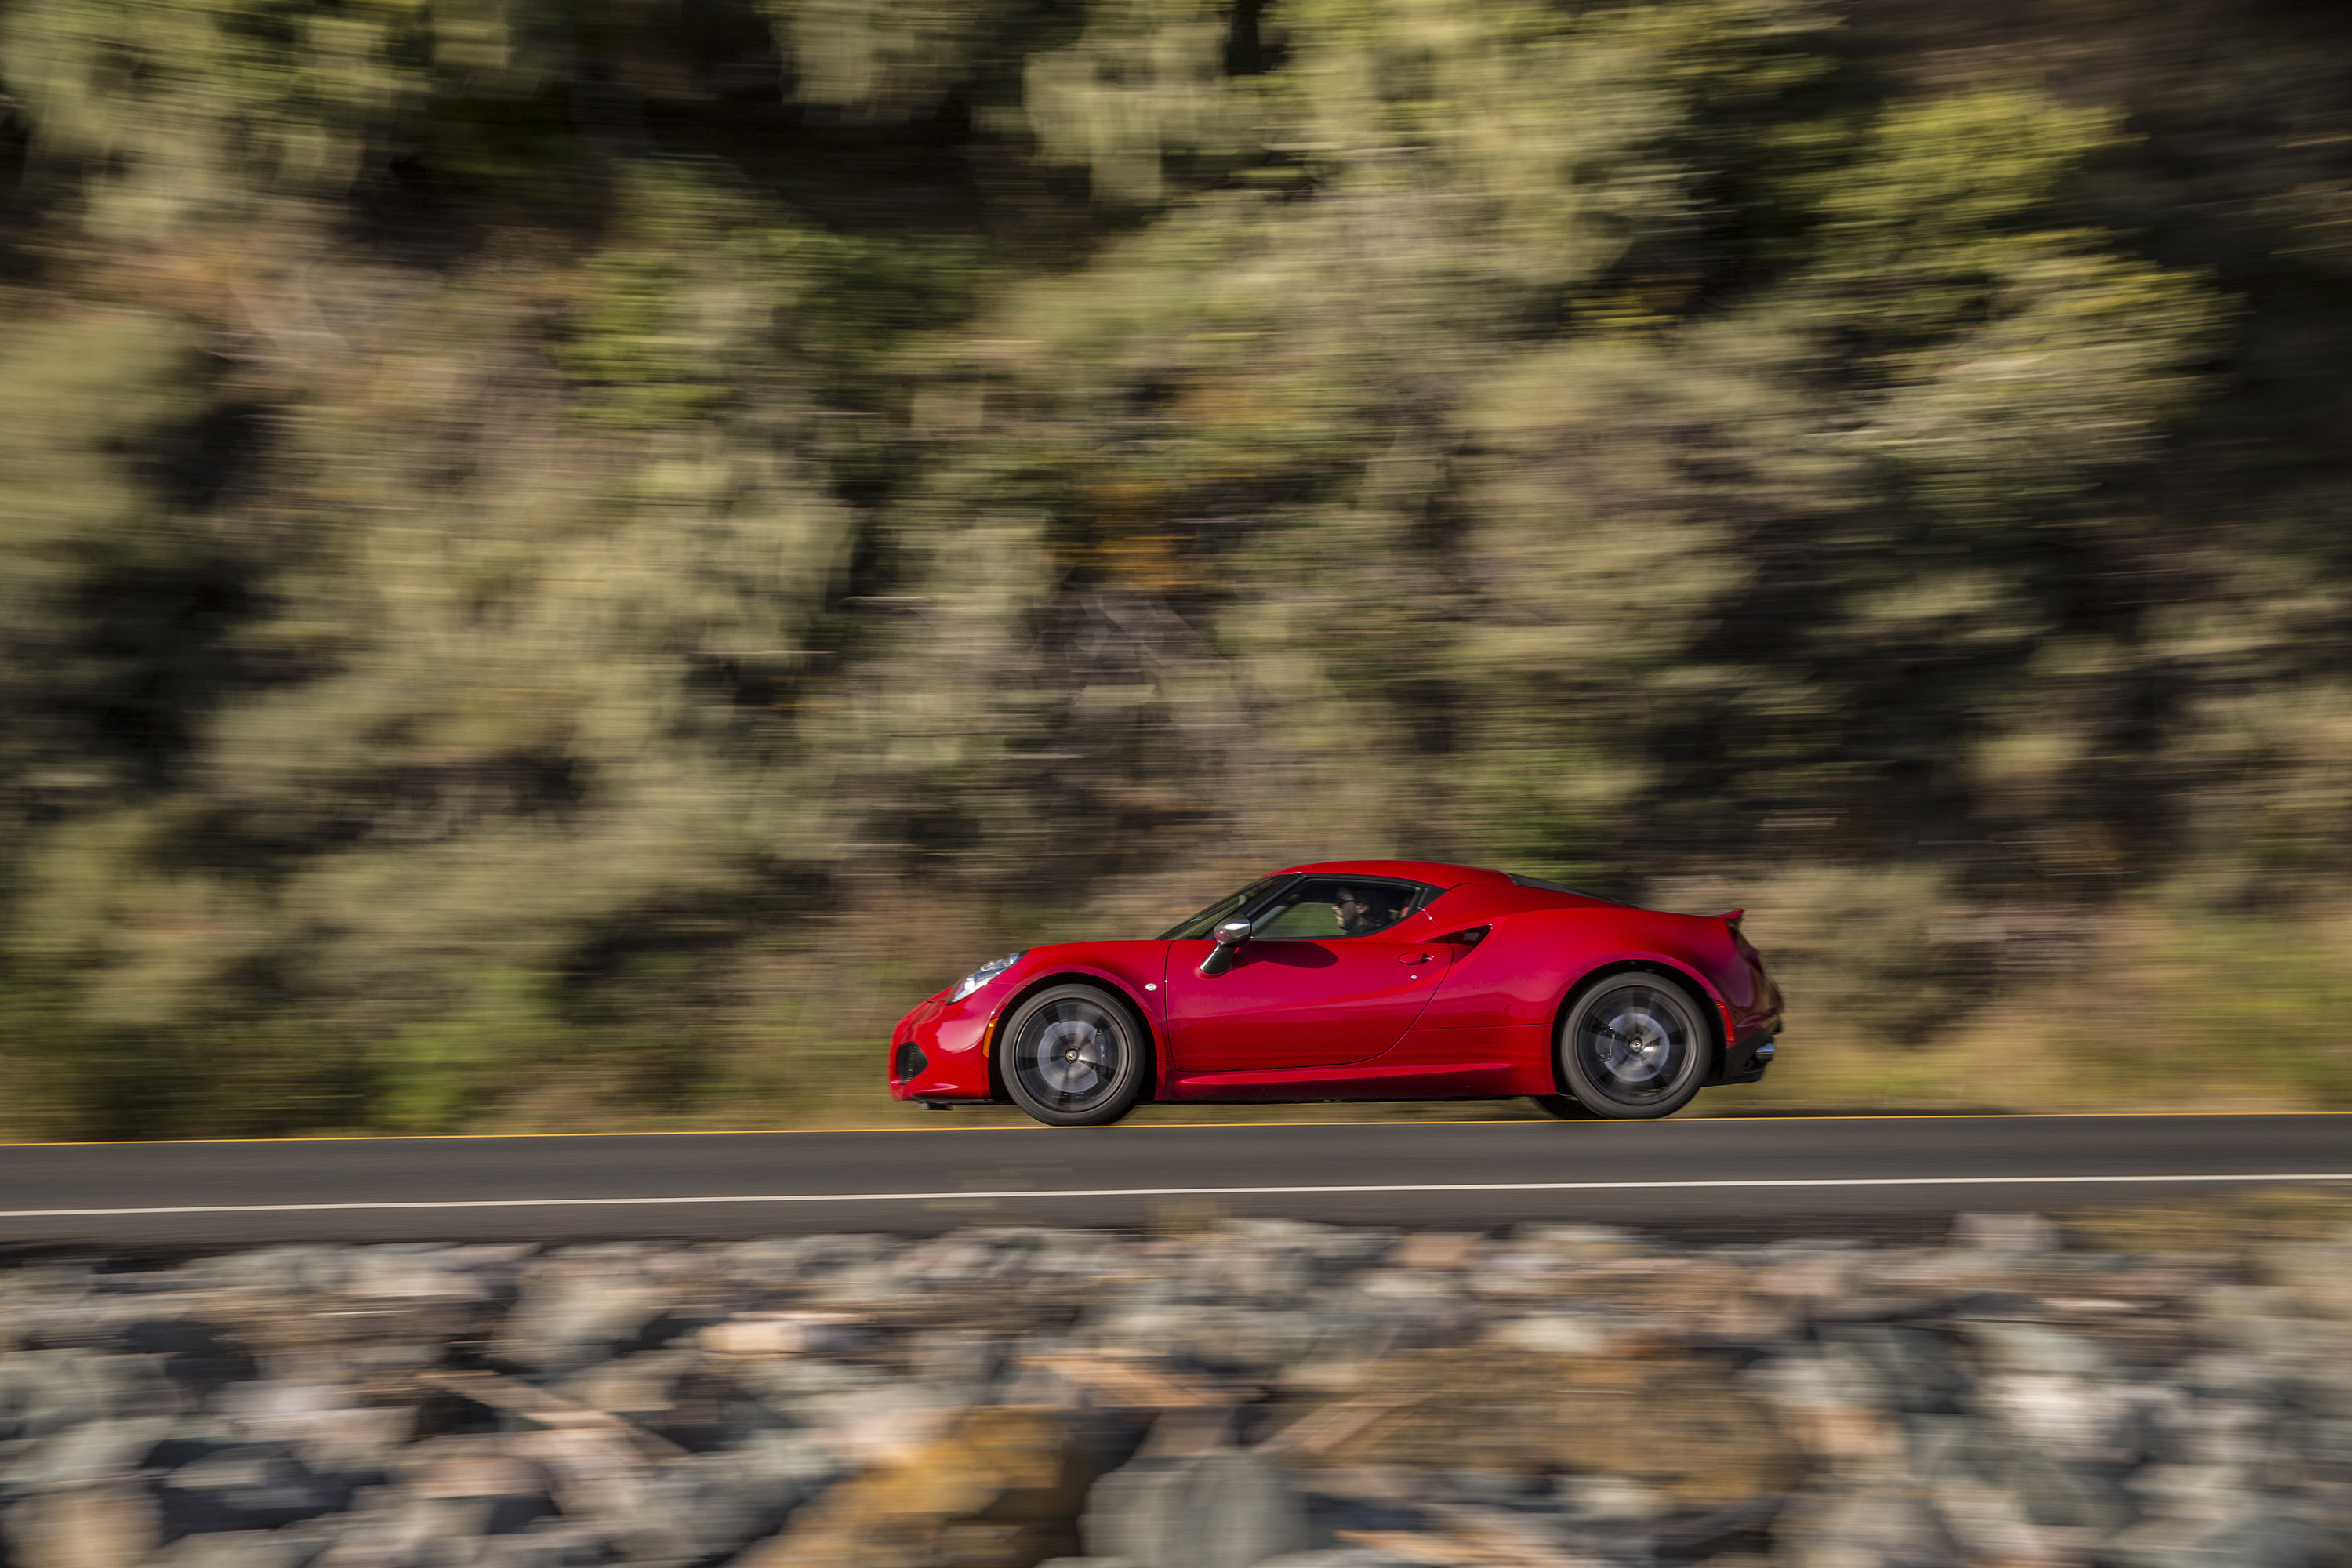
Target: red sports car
1359,980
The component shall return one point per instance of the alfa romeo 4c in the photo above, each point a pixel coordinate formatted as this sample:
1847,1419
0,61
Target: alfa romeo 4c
1359,980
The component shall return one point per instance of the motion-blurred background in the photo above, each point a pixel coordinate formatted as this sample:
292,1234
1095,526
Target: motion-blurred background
560,563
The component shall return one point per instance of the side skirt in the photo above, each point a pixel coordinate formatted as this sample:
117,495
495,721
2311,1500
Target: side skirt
1492,1079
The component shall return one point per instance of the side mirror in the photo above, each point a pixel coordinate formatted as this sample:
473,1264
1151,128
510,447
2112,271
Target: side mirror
1229,938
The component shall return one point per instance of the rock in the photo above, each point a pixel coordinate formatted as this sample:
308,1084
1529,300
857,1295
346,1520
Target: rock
1496,1538
260,1487
593,1472
414,1274
287,1269
2074,1498
643,1387
1914,1370
802,1259
1504,1489
1227,1510
1808,1279
1559,1333
962,1361
330,1429
243,1549
1437,1249
1693,1537
2211,1490
702,1508
1244,1340
573,1315
881,1427
395,1531
1568,1397
1673,1423
1330,1515
546,1544
187,1350
1990,1526
2039,1349
2005,1233
781,1335
109,1524
1580,1243
799,1460
2254,1540
2234,1378
2062,1417
1865,1527
998,1488
1270,1271
93,1451
1407,1283
2315,1275
54,1391
1614,1498
1839,1415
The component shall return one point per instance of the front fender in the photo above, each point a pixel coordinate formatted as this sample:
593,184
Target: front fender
1134,979
958,1039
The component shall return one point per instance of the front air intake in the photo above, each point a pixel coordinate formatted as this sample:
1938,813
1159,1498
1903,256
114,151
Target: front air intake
908,1062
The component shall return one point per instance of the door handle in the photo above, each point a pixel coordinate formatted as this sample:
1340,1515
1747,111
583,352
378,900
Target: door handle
1412,958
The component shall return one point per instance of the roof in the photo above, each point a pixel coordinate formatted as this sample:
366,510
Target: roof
1435,872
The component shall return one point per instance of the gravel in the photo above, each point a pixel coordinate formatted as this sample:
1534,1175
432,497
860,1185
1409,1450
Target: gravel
1250,1393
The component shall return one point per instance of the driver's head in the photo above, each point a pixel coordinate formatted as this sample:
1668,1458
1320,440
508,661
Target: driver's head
1359,910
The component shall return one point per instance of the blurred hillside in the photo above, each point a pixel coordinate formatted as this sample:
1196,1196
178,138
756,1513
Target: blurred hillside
561,563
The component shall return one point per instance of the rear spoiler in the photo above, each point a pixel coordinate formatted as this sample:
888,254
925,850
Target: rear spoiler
1732,917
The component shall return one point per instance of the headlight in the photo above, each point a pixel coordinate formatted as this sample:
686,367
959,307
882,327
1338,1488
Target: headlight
984,975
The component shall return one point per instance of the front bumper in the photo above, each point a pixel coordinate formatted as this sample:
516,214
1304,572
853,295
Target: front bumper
940,1051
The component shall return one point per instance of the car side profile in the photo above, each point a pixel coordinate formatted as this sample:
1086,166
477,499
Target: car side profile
1359,980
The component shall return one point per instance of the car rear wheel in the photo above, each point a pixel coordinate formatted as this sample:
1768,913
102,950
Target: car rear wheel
1072,1056
1633,1046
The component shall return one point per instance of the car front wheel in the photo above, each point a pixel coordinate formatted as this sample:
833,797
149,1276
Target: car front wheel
1633,1046
1072,1056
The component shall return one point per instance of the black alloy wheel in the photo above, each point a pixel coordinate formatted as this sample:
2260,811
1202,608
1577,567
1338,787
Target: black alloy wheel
1633,1046
1073,1057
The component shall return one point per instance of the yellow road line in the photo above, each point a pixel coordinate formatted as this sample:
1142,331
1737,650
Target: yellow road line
1177,1126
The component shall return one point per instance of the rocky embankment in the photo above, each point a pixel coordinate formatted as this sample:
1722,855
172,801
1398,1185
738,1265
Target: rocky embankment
1250,1393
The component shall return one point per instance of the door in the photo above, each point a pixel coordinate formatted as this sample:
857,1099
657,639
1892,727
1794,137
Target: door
1319,983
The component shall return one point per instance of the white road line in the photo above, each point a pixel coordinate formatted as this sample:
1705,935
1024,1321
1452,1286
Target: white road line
1767,1182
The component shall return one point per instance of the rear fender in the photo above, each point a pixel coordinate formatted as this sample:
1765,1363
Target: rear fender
1719,1016
1532,963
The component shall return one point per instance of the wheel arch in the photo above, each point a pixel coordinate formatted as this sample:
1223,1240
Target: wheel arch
1719,1016
1118,990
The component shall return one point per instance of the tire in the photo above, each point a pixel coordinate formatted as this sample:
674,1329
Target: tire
1633,1046
1073,1056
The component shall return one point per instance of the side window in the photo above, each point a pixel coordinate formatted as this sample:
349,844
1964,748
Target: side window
1326,909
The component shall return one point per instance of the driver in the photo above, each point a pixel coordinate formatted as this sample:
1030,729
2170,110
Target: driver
1363,910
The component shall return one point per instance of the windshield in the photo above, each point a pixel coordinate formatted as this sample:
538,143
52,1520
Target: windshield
1199,926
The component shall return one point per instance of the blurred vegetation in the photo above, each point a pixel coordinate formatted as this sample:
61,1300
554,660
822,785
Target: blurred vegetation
560,563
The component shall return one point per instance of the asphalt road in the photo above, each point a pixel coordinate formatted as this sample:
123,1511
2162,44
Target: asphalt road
1723,1176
